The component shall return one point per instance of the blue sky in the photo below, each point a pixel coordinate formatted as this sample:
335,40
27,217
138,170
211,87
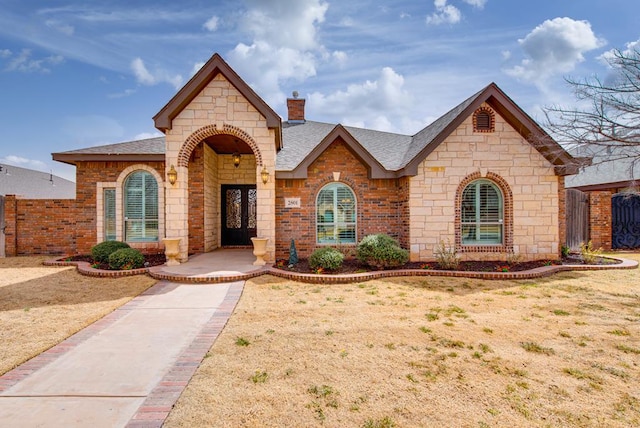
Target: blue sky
82,73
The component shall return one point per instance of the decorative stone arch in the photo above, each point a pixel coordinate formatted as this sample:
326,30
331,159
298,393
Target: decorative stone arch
507,200
484,120
209,131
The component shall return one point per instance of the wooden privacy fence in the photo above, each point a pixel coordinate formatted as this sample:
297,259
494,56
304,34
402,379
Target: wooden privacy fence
577,212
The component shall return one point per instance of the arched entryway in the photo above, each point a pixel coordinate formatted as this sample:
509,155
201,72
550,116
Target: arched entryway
222,188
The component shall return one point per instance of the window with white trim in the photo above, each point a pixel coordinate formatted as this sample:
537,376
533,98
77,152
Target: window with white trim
336,215
140,207
109,207
482,214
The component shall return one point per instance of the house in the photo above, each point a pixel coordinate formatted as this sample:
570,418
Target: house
604,197
484,178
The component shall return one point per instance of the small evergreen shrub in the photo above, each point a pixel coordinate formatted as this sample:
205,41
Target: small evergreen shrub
103,250
125,259
381,251
326,258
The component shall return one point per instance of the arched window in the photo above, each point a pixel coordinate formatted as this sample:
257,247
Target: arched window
336,215
482,214
140,207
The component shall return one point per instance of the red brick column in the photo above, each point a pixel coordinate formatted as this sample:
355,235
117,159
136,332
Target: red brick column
10,223
600,218
562,214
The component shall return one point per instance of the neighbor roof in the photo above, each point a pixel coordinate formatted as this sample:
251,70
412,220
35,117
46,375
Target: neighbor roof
611,167
31,184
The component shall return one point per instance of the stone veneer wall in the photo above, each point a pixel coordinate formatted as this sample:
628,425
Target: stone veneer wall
503,154
219,108
381,204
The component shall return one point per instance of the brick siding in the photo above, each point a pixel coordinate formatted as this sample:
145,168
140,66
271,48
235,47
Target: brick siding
382,205
600,218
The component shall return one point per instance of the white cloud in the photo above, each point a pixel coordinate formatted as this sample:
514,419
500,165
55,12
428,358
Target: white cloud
145,77
554,47
5,53
123,94
284,46
381,104
196,67
23,162
212,23
60,26
25,64
444,14
476,3
632,48
147,135
340,57
285,23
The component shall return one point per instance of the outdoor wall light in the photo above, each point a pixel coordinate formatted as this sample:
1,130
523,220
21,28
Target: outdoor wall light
236,159
172,175
265,175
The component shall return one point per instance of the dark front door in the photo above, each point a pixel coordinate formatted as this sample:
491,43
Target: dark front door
238,214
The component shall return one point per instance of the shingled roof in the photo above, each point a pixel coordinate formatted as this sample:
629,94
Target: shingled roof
387,155
150,149
31,184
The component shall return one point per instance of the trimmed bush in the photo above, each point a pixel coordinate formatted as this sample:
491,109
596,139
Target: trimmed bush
381,251
125,259
326,258
103,250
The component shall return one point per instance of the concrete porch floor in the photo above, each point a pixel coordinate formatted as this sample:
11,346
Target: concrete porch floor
220,265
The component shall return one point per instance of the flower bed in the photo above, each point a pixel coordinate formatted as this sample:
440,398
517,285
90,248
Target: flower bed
149,260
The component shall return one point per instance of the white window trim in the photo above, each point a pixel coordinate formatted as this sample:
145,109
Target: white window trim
477,223
355,215
118,185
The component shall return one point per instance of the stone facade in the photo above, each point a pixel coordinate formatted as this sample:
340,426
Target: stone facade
505,157
219,109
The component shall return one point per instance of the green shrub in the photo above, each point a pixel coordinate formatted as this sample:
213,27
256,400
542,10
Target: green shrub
103,250
589,254
125,259
381,251
326,258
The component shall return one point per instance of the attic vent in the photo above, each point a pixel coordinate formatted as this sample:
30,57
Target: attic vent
484,120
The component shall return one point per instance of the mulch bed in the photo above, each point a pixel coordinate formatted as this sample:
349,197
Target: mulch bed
354,266
149,260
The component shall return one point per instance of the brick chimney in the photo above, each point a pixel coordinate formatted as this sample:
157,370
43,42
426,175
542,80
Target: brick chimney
295,107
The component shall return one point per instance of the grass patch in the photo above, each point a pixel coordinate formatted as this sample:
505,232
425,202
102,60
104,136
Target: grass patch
241,341
536,348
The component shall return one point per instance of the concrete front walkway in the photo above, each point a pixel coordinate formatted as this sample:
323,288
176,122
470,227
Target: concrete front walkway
127,369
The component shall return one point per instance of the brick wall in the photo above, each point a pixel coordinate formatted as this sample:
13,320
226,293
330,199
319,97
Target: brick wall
382,205
39,226
67,226
600,218
196,200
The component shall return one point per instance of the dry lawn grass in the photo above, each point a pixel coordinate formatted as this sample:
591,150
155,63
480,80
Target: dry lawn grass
418,352
41,306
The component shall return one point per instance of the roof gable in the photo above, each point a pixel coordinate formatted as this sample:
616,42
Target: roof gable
427,140
216,65
375,168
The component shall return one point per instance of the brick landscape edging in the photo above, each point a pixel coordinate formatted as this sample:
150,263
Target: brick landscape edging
158,273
